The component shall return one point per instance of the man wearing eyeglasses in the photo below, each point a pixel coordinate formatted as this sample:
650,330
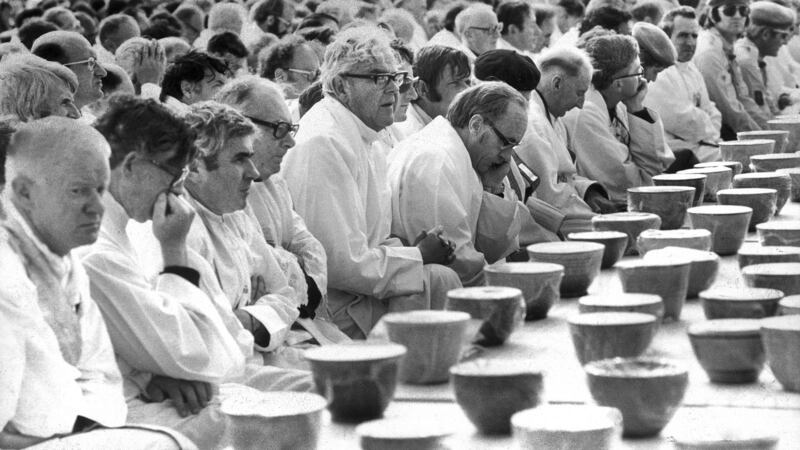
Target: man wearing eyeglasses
294,65
270,202
769,29
725,22
452,173
479,29
173,329
72,50
337,177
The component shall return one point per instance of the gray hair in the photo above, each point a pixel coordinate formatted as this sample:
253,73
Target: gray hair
214,124
25,82
465,17
241,91
402,23
354,47
227,17
570,60
488,99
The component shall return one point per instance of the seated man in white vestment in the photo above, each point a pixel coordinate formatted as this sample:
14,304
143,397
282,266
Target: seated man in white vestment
57,367
337,177
566,76
679,94
173,330
266,290
442,73
616,140
452,172
270,202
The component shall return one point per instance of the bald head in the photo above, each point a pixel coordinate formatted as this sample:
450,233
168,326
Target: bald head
74,51
57,169
262,101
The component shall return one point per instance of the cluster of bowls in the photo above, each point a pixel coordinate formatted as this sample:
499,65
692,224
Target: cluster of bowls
742,150
781,182
630,223
718,177
779,136
665,276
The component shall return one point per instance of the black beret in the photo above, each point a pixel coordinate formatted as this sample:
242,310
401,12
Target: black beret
508,66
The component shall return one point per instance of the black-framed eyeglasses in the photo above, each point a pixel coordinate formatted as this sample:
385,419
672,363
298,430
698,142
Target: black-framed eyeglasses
178,176
279,129
503,139
311,75
730,10
638,74
91,63
494,29
408,82
380,79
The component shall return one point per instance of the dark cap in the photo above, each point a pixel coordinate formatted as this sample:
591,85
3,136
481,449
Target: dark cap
715,3
654,45
508,66
771,15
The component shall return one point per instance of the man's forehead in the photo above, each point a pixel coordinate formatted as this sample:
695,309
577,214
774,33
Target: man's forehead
78,49
681,23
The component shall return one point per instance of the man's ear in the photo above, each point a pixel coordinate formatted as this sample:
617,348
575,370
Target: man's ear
475,124
271,20
512,29
21,188
557,82
423,91
339,89
281,76
188,89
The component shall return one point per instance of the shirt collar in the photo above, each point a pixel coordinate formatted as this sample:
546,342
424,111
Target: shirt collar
338,110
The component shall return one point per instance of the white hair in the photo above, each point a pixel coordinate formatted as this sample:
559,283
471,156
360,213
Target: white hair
241,91
353,47
465,17
571,60
25,83
402,23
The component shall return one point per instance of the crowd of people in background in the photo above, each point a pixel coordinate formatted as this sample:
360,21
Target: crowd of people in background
195,191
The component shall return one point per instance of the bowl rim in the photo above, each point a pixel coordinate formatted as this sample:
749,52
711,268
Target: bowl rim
720,328
535,267
437,317
623,318
600,368
782,225
375,351
763,269
730,294
498,293
425,429
315,403
719,210
604,418
679,177
781,323
746,191
490,368
671,189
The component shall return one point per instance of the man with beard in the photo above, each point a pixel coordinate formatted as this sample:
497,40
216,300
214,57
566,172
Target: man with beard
679,94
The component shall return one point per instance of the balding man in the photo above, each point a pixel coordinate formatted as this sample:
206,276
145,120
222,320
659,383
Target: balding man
58,370
337,178
769,29
479,29
679,94
451,174
72,50
566,77
270,201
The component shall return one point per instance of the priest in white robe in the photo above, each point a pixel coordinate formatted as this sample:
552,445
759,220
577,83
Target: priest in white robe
175,335
338,183
617,141
451,173
57,366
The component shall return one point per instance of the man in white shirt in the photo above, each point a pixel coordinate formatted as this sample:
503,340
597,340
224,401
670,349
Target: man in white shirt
566,77
617,140
338,182
442,73
451,173
679,94
264,295
270,201
172,327
58,370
